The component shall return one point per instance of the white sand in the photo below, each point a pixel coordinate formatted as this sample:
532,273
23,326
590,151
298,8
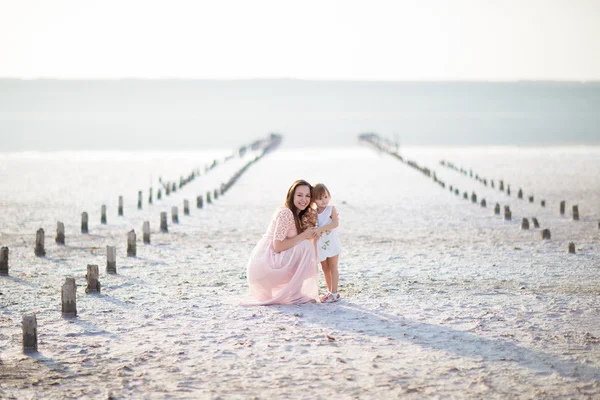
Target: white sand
441,298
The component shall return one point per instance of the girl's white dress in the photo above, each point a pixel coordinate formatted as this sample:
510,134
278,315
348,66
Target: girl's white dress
329,243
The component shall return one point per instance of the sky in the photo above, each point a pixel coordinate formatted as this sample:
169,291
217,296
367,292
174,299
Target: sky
373,40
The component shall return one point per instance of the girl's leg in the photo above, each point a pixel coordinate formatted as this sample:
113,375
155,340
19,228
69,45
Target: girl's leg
326,273
332,263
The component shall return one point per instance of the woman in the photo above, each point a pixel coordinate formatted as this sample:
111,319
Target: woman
283,265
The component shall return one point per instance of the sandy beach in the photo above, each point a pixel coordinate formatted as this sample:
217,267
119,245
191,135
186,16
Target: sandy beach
440,297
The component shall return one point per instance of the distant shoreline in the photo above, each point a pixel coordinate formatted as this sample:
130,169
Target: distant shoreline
149,151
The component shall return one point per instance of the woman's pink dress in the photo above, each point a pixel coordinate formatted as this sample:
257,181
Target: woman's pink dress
288,277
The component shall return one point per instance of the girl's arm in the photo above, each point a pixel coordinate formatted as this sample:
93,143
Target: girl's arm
333,224
281,245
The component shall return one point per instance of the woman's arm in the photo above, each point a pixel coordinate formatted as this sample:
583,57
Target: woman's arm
333,224
281,245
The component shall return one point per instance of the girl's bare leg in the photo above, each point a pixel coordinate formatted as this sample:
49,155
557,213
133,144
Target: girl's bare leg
326,273
332,263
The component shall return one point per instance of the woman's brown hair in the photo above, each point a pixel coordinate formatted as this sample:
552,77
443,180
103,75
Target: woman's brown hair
289,202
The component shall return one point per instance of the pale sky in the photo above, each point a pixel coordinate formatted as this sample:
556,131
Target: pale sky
343,40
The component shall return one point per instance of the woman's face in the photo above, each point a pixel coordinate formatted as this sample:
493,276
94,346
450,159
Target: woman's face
302,197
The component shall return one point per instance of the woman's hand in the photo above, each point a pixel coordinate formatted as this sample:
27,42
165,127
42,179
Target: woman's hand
309,233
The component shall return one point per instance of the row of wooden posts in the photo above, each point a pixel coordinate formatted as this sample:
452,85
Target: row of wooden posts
544,233
386,146
69,288
40,250
273,141
501,187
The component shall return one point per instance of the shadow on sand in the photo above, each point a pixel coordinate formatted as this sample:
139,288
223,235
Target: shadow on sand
17,280
359,320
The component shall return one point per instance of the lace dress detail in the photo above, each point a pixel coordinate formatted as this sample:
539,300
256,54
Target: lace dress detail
288,277
284,226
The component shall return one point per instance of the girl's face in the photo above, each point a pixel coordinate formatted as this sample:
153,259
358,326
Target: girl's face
323,201
302,197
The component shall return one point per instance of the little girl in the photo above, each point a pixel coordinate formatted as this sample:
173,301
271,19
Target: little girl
328,245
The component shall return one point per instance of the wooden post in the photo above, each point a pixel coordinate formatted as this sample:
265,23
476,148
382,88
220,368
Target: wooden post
174,215
208,200
224,188
492,183
159,194
507,213
131,250
520,194
545,234
39,243
29,327
571,248
473,198
163,222
497,209
484,182
111,260
543,203
562,207
168,189
84,222
483,203
139,199
524,224
501,185
186,207
216,194
150,196
451,188
146,232
69,298
60,233
199,202
466,196
103,214
120,206
93,284
536,224
174,188
456,192
4,261
508,190
575,213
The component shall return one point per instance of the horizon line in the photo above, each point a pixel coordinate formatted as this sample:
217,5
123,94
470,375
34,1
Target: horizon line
348,146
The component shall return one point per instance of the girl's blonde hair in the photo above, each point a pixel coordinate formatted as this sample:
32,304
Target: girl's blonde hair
319,190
